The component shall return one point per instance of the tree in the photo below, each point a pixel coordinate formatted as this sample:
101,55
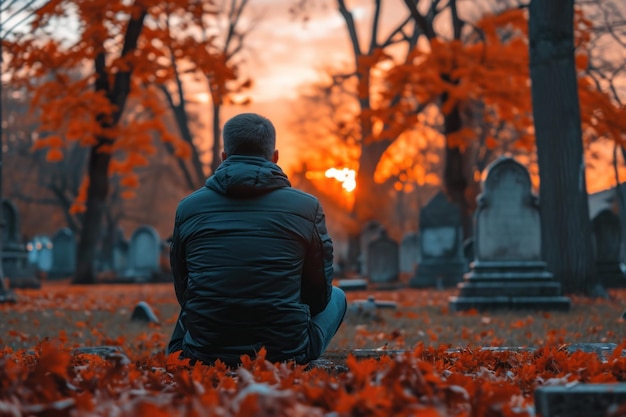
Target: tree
565,225
119,52
217,64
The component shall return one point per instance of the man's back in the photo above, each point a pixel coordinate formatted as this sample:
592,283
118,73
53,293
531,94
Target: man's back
251,258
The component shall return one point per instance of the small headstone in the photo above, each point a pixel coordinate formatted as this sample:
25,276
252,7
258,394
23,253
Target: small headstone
371,300
409,253
40,253
440,245
63,254
143,313
354,284
369,232
508,271
607,238
110,353
144,254
383,259
579,400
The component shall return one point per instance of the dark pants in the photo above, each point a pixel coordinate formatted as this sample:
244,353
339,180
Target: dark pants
322,327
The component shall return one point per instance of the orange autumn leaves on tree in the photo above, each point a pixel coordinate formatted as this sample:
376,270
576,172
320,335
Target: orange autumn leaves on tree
491,66
74,80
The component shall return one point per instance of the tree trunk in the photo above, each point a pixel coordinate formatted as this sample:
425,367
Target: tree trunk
217,133
565,225
97,193
117,89
455,172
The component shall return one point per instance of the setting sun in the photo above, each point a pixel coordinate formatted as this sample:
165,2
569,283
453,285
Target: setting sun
345,176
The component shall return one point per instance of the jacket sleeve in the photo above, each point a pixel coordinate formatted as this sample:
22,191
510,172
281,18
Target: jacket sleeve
178,263
317,274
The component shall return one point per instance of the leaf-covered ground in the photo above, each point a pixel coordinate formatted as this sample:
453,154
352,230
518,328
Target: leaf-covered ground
40,374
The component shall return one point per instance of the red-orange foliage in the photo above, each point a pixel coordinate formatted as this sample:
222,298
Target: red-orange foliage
59,73
492,67
426,381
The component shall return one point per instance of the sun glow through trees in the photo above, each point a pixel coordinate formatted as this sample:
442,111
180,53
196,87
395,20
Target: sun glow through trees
346,176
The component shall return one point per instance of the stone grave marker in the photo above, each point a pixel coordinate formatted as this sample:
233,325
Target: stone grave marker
369,232
409,253
144,313
383,262
15,264
440,245
579,399
40,253
607,238
121,248
508,271
352,284
143,254
63,254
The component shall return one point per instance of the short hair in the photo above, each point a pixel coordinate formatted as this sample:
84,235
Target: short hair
249,134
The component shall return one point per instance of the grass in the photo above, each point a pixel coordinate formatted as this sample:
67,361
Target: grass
100,314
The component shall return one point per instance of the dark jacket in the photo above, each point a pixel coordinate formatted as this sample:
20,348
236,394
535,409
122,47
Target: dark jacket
252,261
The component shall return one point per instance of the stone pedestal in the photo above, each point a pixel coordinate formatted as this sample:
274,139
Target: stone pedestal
611,275
438,273
509,285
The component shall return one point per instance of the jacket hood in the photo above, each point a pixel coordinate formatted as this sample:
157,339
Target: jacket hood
247,176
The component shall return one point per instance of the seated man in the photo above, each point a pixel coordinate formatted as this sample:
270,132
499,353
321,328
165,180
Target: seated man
252,260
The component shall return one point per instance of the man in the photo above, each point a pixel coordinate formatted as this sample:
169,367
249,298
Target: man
252,259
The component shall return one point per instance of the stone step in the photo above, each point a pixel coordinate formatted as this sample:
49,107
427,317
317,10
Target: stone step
508,276
509,289
509,303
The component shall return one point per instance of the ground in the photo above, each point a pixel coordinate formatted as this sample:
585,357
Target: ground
49,322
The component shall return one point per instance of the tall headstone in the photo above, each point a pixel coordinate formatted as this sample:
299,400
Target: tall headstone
508,271
369,232
143,254
63,254
383,259
607,238
409,253
16,268
441,251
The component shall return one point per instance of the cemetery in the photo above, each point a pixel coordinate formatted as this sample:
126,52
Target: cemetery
464,163
493,328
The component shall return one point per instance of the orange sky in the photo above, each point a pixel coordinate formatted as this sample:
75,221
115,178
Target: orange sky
287,53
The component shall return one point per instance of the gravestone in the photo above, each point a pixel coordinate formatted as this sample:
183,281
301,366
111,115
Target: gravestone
15,265
120,251
383,261
63,254
409,253
369,232
143,254
40,253
607,238
440,245
508,271
580,400
144,313
352,284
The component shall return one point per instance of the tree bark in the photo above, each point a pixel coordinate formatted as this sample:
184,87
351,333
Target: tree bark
565,225
98,167
217,133
455,172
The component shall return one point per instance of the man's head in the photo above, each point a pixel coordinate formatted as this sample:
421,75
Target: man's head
250,134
